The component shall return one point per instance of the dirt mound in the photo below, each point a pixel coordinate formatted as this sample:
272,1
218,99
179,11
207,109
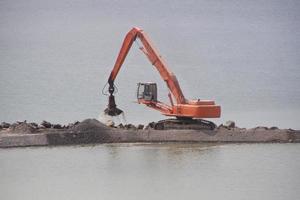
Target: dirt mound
90,125
86,132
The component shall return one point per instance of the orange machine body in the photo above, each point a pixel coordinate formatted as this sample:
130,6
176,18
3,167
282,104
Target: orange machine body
181,108
203,109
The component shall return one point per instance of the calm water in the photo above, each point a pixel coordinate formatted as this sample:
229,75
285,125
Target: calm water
152,171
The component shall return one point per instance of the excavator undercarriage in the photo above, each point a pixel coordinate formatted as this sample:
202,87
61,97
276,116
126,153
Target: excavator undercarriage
183,123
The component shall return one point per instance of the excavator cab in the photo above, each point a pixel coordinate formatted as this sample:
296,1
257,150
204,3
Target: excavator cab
147,91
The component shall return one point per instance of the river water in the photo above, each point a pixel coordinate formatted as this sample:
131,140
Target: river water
152,171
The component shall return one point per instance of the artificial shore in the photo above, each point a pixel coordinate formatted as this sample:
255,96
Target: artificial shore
91,131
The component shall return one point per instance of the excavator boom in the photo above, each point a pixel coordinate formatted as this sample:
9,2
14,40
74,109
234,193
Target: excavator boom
153,57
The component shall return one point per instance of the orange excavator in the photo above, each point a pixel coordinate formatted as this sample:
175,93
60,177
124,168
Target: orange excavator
188,113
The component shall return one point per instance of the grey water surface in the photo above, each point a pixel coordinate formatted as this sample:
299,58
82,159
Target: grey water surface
152,171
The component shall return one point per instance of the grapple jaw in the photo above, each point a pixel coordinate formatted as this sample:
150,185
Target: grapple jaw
112,109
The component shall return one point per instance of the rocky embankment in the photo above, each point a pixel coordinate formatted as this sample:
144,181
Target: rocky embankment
91,131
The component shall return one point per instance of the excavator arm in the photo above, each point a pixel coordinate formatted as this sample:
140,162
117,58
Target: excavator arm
153,56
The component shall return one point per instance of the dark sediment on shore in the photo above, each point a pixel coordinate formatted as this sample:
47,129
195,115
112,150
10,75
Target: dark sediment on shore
91,131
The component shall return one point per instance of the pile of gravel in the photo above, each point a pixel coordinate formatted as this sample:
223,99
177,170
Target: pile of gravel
90,125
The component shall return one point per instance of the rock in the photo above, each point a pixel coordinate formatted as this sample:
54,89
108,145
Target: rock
274,128
130,126
120,126
34,124
140,126
229,124
46,124
57,126
5,125
150,126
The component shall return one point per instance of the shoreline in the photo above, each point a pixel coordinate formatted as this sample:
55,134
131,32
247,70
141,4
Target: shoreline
91,131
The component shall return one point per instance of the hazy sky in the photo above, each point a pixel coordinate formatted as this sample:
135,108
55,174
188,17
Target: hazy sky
55,57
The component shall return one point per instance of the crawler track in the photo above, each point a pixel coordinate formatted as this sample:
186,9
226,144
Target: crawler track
179,124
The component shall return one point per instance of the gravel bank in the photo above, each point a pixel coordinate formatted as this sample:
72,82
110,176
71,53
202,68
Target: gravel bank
91,131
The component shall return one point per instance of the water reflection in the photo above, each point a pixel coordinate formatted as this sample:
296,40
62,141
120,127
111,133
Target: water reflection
150,154
151,171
